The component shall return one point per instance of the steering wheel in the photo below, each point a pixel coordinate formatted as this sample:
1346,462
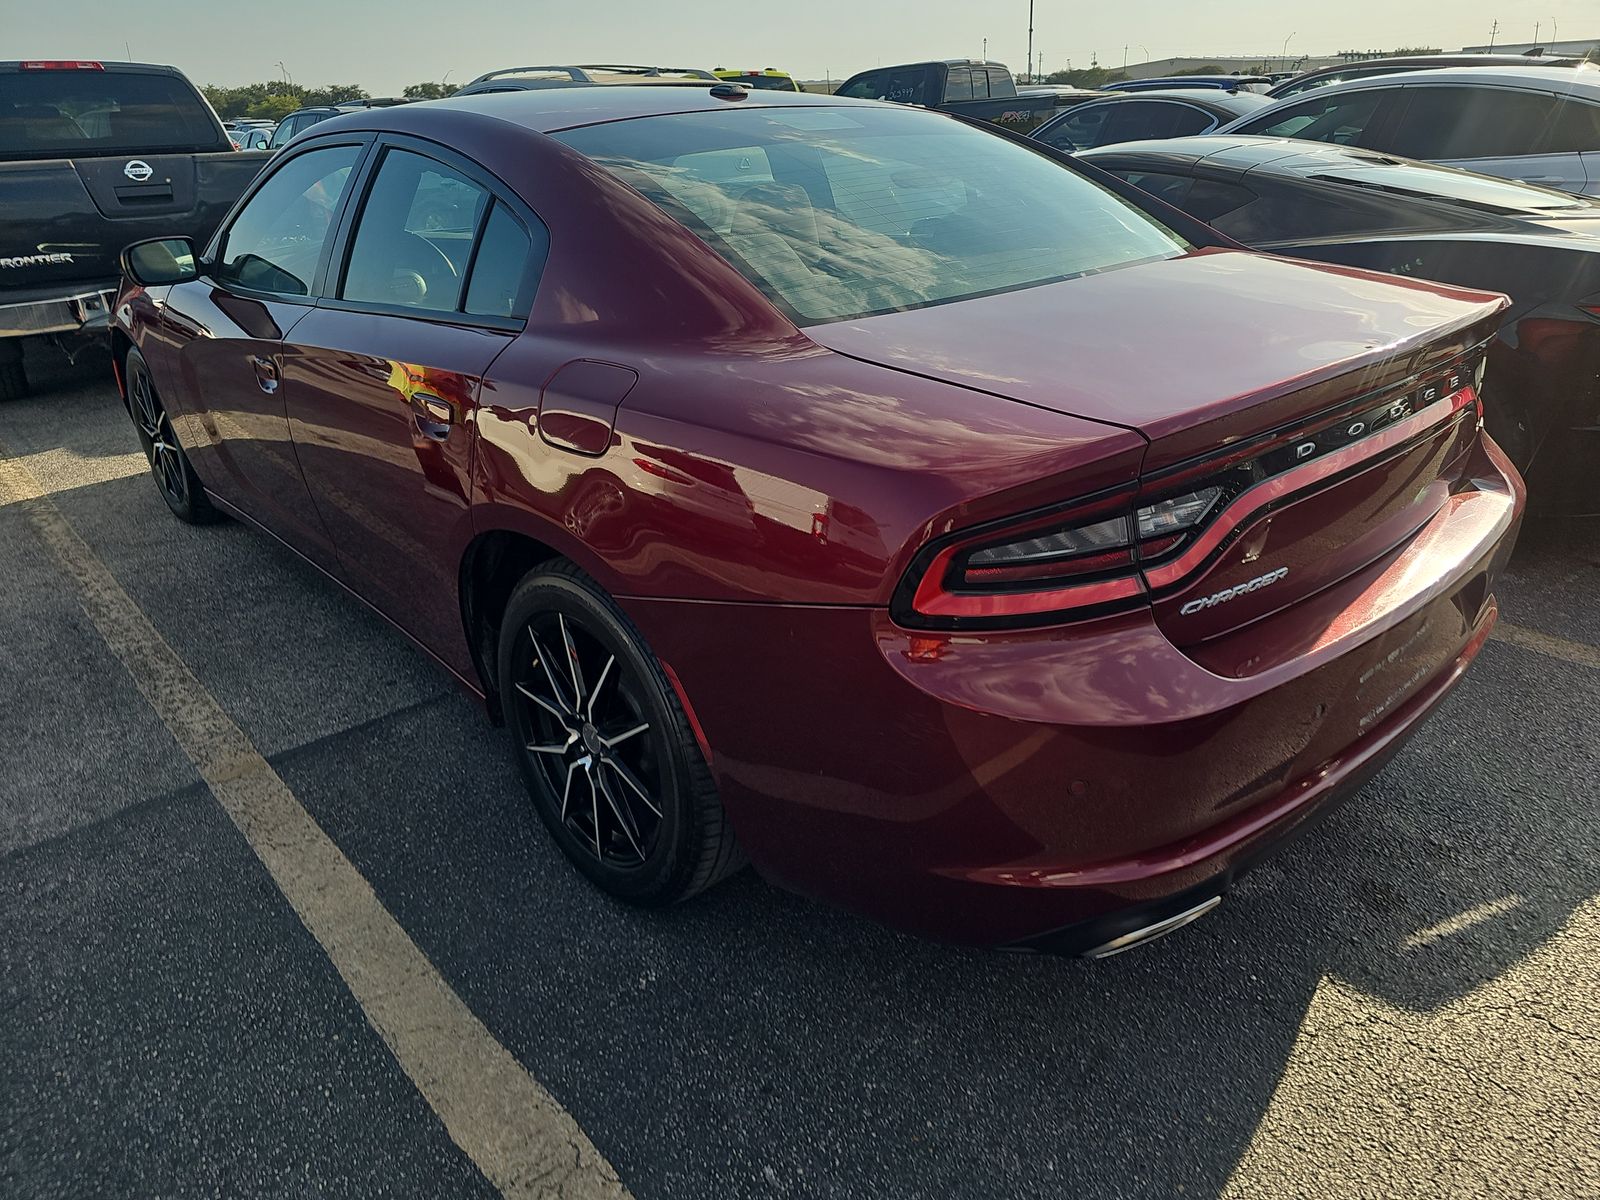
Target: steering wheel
428,264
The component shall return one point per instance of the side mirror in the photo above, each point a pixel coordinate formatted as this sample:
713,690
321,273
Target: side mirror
160,261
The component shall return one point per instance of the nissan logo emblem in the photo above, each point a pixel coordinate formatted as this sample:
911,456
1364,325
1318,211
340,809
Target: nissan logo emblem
138,170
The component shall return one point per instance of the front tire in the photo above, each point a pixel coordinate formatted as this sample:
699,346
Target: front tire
175,479
608,756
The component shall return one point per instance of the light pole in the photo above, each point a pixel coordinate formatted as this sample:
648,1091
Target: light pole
1283,59
287,78
985,49
1030,41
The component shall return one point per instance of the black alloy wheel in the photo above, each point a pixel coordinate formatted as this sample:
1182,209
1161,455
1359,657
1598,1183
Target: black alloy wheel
169,465
609,758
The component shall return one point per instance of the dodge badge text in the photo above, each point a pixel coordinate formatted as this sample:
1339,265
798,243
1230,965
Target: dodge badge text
1233,593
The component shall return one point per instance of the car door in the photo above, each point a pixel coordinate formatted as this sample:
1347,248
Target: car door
261,278
1509,132
433,280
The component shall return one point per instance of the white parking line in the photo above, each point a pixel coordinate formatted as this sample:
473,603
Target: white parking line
516,1133
1576,653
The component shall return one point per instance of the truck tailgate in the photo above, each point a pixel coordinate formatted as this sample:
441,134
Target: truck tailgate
65,221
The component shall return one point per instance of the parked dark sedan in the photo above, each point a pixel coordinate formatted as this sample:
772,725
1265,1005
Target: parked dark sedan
984,553
1136,116
1359,208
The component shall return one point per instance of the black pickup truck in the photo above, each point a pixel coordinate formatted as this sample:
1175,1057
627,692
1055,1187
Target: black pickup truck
968,86
94,156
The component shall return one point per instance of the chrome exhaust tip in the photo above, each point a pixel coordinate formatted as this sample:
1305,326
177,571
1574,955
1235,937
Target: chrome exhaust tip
1149,933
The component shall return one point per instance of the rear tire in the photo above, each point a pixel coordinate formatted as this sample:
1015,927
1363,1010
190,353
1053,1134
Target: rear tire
610,760
175,479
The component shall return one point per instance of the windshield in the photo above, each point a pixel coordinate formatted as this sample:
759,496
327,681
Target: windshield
80,113
1456,187
848,212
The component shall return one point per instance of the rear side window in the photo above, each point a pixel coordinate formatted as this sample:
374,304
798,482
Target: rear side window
83,113
428,238
958,85
1466,122
496,286
414,236
1577,128
276,242
1342,119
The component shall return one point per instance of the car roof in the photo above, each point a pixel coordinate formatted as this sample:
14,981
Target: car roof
1235,103
1582,78
553,109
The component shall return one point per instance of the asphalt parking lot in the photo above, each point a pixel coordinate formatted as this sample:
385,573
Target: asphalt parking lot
1404,1002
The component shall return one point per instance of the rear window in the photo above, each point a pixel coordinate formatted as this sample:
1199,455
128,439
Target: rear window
82,113
840,213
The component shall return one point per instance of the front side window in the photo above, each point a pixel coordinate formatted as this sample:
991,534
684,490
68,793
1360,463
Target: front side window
1342,119
1080,129
276,242
873,211
1467,122
1138,120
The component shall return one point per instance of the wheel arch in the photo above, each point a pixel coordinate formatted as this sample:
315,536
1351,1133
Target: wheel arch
491,567
121,344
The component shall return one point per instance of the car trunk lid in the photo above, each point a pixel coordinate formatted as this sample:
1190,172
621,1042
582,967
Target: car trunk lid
1324,414
1216,347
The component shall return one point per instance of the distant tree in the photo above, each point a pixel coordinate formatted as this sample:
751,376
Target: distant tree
334,93
429,91
1089,77
1208,69
274,108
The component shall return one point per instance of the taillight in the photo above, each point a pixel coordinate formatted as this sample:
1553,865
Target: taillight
1037,569
1107,552
61,65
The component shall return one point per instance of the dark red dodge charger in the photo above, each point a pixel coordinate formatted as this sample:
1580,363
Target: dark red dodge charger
842,486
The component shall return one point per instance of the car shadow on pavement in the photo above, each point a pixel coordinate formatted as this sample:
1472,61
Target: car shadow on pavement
755,1043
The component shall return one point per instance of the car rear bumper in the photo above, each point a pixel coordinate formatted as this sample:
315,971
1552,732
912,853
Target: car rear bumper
83,307
1057,789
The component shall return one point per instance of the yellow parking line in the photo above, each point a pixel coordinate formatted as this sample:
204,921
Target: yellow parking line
516,1133
1552,647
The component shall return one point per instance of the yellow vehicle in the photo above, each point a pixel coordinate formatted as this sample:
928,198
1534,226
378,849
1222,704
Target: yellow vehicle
770,80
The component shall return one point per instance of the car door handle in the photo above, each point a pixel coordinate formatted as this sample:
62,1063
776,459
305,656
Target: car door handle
266,373
432,414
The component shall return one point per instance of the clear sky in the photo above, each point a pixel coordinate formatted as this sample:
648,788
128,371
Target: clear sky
385,44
